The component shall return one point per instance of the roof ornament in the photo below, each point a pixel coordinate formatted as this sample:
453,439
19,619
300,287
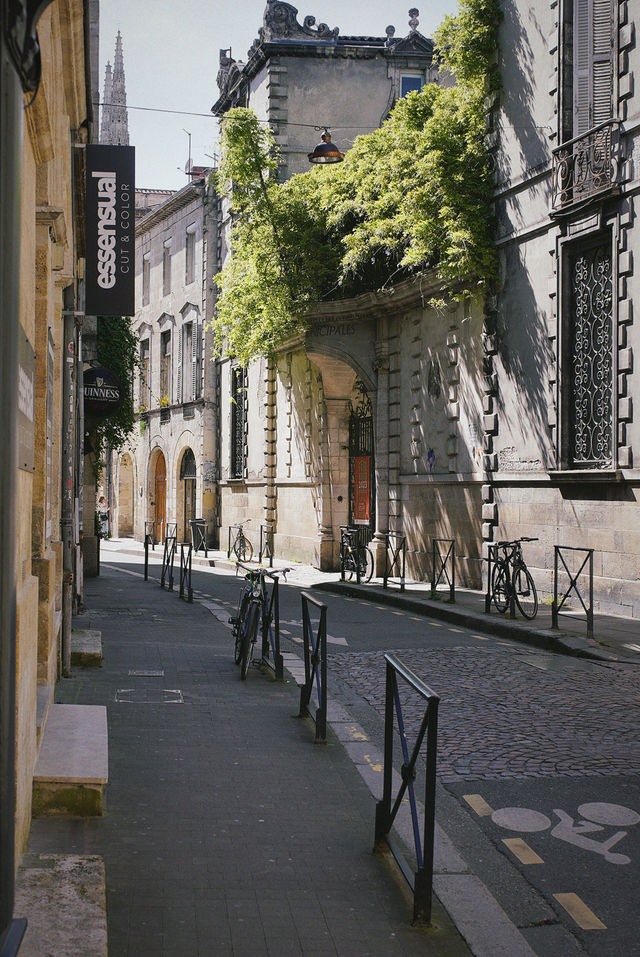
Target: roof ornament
280,22
391,37
414,13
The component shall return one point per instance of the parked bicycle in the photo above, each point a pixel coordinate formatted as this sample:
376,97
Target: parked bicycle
355,556
511,577
241,546
253,608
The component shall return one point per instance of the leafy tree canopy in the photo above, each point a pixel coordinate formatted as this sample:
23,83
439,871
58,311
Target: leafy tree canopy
414,194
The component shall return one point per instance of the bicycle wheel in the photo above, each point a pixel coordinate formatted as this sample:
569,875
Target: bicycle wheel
243,549
500,588
249,635
349,566
238,624
525,592
366,565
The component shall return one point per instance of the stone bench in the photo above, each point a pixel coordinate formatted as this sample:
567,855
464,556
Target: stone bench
73,763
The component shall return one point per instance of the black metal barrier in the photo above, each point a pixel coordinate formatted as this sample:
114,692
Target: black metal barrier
150,533
266,544
198,528
398,552
315,664
186,549
170,544
421,880
556,606
443,566
270,627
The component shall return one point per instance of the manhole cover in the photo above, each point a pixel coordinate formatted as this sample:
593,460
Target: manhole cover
159,673
149,696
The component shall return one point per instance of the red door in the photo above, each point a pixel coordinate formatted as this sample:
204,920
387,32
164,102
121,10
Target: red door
161,497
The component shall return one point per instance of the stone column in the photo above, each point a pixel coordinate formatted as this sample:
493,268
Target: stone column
381,439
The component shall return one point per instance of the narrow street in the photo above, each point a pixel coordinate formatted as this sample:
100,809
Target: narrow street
538,757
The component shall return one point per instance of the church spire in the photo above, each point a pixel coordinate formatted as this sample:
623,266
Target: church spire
115,124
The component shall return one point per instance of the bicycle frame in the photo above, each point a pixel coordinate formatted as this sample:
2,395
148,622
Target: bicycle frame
269,611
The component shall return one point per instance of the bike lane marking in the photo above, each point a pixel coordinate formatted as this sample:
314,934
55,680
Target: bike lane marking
520,849
579,912
478,804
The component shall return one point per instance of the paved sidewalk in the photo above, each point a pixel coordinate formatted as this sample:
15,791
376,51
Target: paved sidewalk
615,637
227,830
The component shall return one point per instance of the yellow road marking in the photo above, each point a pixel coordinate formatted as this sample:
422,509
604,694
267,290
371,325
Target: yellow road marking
478,804
458,630
381,607
374,767
397,613
578,910
357,735
521,850
480,637
283,631
415,619
435,624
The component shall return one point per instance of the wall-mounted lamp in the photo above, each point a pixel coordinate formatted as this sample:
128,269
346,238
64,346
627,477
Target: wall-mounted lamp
326,151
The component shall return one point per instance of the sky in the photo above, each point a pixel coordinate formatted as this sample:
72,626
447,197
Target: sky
171,59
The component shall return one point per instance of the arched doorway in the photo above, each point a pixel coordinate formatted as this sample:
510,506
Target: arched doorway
125,498
160,496
187,493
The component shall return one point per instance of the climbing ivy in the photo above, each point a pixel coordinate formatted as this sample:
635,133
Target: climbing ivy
412,195
118,352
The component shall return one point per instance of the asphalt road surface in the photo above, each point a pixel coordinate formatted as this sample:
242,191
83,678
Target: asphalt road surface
538,754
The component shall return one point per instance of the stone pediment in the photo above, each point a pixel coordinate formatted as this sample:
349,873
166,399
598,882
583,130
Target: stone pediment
280,22
411,45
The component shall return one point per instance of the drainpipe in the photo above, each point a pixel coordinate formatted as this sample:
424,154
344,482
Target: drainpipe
66,509
11,931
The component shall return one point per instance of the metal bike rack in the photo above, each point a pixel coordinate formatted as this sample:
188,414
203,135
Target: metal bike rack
266,544
398,559
149,539
170,544
556,606
271,632
420,881
186,549
315,664
198,528
443,566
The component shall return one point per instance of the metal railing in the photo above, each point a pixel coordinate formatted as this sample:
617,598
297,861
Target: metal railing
198,528
585,166
574,585
443,566
266,544
170,545
186,549
421,880
395,557
149,539
315,664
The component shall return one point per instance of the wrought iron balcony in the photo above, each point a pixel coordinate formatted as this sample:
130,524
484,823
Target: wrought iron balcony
586,166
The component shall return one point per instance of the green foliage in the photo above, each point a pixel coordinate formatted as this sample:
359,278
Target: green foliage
412,195
118,352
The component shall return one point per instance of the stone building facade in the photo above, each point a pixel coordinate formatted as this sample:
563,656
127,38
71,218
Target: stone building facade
46,85
167,472
562,433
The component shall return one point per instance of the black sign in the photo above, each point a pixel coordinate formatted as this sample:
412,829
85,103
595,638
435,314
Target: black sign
110,247
103,394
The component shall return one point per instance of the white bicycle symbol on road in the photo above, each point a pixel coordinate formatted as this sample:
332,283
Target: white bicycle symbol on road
596,817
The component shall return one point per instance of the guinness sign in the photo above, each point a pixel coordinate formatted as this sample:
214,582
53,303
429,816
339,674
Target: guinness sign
102,393
110,246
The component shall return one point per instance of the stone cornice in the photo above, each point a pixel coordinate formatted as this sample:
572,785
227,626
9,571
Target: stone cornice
175,202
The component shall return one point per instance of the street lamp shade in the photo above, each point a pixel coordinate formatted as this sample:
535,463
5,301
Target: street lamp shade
326,151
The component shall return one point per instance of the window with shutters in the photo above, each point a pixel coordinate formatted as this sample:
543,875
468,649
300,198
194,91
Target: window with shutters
587,161
165,367
145,373
587,355
146,279
189,368
166,268
190,255
238,421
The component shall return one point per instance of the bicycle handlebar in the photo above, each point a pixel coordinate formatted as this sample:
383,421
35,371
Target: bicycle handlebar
261,572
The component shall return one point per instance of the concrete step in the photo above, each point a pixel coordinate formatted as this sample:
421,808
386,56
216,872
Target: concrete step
86,647
44,697
73,763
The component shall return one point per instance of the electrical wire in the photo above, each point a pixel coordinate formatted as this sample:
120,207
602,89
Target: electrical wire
210,116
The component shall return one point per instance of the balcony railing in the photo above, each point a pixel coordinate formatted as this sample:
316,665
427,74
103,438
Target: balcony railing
586,166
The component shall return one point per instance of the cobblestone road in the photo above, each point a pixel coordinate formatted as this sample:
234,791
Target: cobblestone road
502,715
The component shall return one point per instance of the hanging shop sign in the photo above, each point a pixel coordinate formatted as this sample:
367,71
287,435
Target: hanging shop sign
362,489
103,393
110,245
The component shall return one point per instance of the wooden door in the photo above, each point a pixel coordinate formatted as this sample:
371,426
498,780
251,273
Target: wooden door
161,497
